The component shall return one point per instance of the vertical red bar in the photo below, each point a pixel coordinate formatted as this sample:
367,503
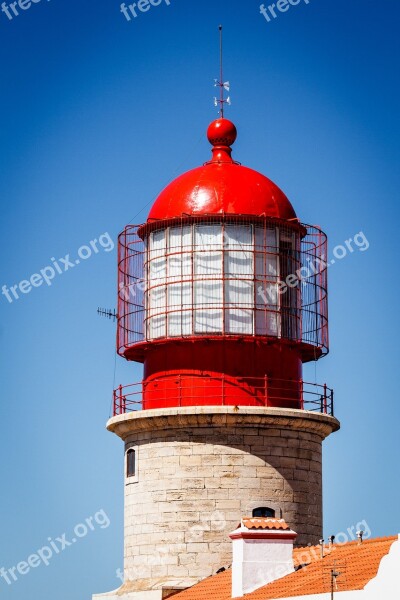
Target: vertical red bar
119,399
325,399
326,331
143,390
266,390
223,252
301,394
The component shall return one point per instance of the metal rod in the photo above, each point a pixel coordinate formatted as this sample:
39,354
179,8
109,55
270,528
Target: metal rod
221,80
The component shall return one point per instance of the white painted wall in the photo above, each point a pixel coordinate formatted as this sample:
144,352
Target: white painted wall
257,562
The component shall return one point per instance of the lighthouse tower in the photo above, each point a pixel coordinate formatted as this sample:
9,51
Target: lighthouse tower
222,296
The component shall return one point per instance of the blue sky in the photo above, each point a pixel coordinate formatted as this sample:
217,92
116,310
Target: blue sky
97,115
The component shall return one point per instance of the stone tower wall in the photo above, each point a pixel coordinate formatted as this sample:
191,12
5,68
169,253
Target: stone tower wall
198,472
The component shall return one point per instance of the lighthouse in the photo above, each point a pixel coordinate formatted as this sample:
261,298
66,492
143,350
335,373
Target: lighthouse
222,296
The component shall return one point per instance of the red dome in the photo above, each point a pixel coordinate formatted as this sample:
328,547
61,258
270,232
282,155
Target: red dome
222,186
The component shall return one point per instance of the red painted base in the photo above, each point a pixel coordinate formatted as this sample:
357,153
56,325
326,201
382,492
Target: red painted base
263,375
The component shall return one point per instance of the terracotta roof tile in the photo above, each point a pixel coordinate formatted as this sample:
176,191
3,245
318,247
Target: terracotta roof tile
265,523
357,563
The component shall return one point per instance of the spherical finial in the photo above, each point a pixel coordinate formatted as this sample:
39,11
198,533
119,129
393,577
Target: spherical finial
222,132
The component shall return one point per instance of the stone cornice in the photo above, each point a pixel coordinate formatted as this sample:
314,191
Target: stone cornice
223,416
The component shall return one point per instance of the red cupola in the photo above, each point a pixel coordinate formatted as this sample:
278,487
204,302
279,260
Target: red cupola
222,292
222,186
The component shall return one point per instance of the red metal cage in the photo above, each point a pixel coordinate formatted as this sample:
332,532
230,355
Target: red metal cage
290,298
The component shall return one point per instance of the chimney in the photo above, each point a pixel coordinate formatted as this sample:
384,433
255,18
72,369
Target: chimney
262,553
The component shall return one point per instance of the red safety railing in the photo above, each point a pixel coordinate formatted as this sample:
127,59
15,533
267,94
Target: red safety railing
313,397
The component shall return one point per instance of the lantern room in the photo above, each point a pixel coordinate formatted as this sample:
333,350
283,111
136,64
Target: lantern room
222,292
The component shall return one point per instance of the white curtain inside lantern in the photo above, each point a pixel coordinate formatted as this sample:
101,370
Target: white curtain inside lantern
179,294
214,279
208,279
239,279
156,279
267,279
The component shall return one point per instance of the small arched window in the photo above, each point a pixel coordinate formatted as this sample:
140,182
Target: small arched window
263,512
131,463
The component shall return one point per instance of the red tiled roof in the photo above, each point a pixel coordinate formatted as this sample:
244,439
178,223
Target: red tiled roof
265,523
357,564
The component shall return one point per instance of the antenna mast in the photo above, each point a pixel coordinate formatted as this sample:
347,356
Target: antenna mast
223,85
109,313
221,71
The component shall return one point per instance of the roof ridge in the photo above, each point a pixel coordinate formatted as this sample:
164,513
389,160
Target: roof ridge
350,542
